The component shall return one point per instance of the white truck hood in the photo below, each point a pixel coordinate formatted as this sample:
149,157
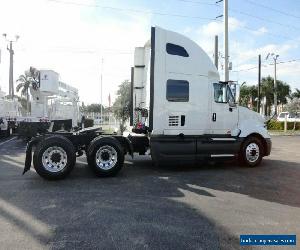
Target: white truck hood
247,114
251,122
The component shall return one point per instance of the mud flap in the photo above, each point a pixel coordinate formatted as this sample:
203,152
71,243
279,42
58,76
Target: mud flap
130,147
28,158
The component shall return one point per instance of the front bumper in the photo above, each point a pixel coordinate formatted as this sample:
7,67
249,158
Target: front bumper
269,146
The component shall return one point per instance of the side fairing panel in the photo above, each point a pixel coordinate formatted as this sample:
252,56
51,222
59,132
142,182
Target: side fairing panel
140,85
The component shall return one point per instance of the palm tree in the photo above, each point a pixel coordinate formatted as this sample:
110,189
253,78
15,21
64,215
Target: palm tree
248,93
267,90
29,80
296,94
35,74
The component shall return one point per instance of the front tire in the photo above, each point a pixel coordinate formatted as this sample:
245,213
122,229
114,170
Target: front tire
251,152
54,157
105,156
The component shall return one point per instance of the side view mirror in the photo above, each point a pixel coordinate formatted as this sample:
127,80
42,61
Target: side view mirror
237,93
231,104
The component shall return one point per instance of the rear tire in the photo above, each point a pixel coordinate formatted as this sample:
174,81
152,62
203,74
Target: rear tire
251,152
54,158
105,156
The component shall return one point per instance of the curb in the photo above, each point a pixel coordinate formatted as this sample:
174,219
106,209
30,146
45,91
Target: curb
284,134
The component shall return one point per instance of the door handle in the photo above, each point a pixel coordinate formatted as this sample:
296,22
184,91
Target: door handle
214,117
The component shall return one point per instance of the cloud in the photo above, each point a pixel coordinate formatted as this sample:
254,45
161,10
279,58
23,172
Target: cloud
187,30
216,28
247,53
72,40
289,72
260,31
244,49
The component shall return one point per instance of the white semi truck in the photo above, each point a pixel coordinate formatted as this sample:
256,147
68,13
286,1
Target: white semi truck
180,111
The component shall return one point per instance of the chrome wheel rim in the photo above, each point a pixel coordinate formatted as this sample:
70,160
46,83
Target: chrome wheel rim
106,157
252,152
54,159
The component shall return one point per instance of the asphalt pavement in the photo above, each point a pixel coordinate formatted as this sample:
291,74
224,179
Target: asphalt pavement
206,206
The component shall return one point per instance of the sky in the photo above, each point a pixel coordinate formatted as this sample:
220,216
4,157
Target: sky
74,37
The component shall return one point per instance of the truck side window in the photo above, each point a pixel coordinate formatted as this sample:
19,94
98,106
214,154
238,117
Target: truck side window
222,93
177,91
177,50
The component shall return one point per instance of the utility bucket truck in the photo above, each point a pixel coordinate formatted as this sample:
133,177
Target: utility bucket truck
9,114
53,102
180,111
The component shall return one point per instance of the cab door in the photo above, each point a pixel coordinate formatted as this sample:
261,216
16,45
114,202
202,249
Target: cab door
224,113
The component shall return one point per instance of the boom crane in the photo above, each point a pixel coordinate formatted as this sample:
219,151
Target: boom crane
53,101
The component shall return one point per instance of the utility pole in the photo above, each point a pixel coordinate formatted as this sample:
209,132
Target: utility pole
216,51
225,36
101,91
225,16
275,57
11,70
275,84
11,64
259,80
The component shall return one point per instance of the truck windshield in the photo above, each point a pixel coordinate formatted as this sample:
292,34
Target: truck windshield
222,93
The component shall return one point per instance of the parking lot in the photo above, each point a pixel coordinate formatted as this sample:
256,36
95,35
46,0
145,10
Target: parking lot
201,207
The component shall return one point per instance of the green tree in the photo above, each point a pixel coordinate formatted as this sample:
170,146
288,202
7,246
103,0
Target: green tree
294,108
267,90
121,106
296,94
246,94
94,107
30,79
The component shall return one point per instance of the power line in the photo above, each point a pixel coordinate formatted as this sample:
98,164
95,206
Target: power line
241,70
272,9
130,10
266,65
78,50
265,32
166,14
269,33
88,50
162,14
293,60
197,2
264,19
